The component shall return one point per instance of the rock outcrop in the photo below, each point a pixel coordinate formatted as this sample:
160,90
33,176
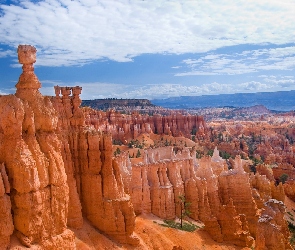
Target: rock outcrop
127,127
94,178
272,229
227,201
54,161
6,223
30,151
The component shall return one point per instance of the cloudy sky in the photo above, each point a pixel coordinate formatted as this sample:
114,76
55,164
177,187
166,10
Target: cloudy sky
151,48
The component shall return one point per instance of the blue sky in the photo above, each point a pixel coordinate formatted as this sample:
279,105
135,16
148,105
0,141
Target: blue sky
151,49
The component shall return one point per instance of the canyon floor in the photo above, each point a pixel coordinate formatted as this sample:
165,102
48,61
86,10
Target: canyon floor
152,236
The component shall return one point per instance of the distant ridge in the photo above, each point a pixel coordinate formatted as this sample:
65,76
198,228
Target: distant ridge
109,103
280,101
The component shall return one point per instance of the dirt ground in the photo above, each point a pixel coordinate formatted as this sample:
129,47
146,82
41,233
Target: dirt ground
152,236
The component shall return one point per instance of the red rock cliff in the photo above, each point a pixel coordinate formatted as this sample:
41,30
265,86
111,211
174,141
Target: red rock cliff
30,151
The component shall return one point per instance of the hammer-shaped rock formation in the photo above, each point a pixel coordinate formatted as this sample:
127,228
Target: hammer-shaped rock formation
53,161
30,151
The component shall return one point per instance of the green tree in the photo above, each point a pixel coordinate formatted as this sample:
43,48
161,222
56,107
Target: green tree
199,154
184,208
224,155
210,152
284,177
117,151
167,143
194,131
138,154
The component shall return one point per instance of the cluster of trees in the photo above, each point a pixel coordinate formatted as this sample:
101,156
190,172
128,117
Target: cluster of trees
135,144
138,154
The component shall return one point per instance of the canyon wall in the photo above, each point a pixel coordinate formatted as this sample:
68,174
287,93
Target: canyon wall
93,175
30,152
50,162
124,128
228,202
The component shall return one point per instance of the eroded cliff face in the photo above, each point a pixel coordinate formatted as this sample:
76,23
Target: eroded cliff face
30,151
6,223
228,202
272,229
124,128
55,169
93,177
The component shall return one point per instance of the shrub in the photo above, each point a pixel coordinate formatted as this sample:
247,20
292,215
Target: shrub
283,178
187,226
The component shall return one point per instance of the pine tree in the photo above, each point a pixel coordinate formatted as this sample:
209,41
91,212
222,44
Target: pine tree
184,208
138,154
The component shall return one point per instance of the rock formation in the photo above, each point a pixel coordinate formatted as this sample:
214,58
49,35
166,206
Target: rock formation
47,149
30,151
272,229
228,202
6,223
93,176
125,128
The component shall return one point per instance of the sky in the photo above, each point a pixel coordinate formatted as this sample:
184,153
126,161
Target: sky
151,49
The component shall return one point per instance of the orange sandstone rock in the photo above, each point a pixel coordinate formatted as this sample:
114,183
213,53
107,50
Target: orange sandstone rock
272,229
6,223
98,179
31,154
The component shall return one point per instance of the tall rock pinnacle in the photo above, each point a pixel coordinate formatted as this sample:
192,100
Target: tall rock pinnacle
27,57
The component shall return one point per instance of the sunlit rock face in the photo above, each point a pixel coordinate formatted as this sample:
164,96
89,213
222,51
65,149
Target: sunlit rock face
272,229
93,176
6,223
127,127
52,161
30,151
228,202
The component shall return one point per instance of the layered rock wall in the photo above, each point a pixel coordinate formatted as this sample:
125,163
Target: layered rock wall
125,128
228,202
30,151
98,181
6,223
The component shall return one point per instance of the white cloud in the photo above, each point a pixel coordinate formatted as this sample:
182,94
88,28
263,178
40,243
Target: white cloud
76,32
280,81
241,63
6,53
173,90
254,86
